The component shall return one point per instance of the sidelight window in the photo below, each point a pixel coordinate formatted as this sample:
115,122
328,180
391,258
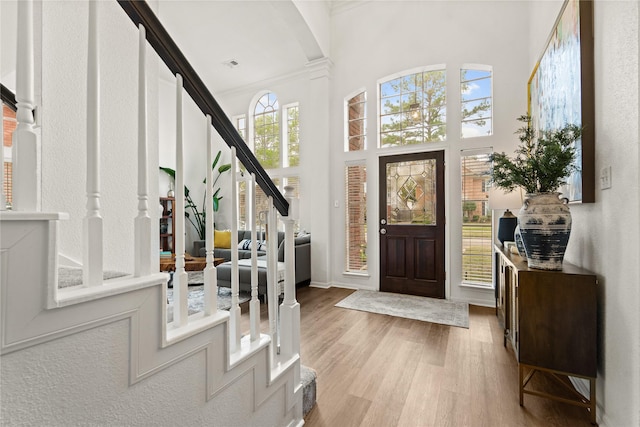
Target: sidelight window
476,218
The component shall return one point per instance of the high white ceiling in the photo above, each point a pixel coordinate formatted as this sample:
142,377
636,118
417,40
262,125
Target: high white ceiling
253,33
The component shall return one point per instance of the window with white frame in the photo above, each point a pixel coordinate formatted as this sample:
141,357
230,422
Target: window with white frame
292,137
356,217
356,122
266,131
413,108
476,101
475,169
276,144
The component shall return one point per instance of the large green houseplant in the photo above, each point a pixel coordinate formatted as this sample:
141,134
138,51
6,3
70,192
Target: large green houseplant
197,217
542,163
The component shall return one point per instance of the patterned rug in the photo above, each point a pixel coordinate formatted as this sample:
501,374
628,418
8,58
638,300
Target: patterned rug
410,307
195,298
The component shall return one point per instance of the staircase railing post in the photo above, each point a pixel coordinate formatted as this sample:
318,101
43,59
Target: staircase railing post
273,287
142,223
290,308
93,233
254,305
210,272
234,312
26,144
180,279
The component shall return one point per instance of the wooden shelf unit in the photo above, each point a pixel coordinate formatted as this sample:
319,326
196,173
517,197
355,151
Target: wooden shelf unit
550,321
167,227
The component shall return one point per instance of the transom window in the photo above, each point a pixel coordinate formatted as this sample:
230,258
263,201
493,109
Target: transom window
413,108
356,111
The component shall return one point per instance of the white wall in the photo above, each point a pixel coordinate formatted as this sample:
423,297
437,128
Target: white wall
605,234
376,39
64,126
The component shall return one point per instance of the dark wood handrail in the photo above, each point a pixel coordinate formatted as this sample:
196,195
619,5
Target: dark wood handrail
160,40
8,97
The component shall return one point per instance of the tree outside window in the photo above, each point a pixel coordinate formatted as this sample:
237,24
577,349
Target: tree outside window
413,109
266,127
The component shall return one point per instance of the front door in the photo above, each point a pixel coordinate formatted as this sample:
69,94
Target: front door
412,224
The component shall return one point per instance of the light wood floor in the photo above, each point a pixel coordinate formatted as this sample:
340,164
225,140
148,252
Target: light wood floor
376,370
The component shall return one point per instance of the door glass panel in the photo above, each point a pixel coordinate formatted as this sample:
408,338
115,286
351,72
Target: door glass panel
411,192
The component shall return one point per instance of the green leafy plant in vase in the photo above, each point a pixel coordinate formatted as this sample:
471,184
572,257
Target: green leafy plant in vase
542,163
197,216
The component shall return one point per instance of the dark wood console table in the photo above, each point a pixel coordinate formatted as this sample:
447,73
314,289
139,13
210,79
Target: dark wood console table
550,321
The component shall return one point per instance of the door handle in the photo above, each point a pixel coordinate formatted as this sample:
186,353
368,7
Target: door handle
383,231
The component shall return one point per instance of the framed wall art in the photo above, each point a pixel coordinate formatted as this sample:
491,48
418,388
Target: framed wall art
561,91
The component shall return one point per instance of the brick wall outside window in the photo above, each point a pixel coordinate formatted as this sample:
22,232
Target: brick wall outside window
9,125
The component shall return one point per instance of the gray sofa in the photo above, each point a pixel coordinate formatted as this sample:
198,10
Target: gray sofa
302,247
226,253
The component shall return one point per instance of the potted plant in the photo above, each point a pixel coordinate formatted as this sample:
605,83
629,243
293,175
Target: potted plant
542,163
197,217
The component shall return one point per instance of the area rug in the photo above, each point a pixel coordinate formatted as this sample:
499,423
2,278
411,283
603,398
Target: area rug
195,299
410,307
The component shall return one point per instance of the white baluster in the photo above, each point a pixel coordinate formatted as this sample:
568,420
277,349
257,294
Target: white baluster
210,273
92,224
26,144
273,292
142,224
234,312
180,278
254,305
290,309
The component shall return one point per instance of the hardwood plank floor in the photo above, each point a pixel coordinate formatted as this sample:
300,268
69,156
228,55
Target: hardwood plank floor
377,370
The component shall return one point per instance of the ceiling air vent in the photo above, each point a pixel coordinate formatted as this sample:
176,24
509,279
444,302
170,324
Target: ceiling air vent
232,63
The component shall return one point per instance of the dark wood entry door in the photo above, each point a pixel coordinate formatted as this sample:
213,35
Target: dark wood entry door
412,224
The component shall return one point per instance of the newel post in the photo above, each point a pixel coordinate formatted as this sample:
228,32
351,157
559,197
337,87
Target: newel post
290,308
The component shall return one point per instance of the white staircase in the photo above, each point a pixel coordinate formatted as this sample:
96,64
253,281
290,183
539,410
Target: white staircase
103,353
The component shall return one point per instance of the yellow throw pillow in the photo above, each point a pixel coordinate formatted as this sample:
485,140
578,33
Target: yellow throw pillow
222,239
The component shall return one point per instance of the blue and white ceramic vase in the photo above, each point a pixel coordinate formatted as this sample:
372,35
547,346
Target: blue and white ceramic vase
517,236
545,226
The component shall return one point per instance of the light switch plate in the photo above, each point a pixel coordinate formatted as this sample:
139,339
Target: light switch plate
605,177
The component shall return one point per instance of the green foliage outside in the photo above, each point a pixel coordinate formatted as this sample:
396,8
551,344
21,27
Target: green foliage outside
267,140
476,230
476,265
468,208
476,258
293,124
414,109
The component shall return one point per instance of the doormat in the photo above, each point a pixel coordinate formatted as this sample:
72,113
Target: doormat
410,307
